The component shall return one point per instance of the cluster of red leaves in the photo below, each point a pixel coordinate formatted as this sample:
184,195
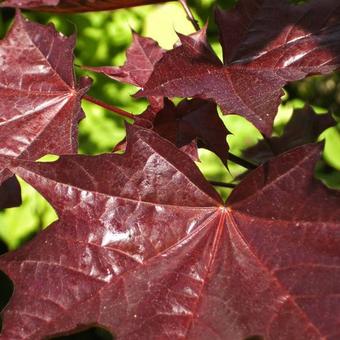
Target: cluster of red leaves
144,246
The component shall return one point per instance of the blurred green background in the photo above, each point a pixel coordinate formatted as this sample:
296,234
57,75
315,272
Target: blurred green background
102,40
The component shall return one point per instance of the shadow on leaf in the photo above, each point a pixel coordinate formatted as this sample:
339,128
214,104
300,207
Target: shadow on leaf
93,333
254,337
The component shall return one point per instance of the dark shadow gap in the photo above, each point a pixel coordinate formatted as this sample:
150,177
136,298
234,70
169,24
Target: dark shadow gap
10,193
93,333
254,337
6,291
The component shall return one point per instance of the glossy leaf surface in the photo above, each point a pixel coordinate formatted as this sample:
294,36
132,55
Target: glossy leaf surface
72,6
151,251
40,98
265,45
141,58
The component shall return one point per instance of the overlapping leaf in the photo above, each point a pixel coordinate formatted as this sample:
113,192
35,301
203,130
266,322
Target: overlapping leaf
151,251
304,127
40,100
71,6
182,125
189,122
141,58
144,246
265,45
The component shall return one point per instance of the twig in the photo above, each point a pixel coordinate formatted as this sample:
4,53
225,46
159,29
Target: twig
109,107
246,164
189,14
221,184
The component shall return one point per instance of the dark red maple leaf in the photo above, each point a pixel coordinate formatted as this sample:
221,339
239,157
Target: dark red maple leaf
72,6
146,248
182,125
188,122
265,45
304,127
141,58
40,100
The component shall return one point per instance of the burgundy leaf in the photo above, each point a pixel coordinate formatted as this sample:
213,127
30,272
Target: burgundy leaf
141,58
168,125
29,3
192,120
40,100
273,43
145,248
72,6
304,127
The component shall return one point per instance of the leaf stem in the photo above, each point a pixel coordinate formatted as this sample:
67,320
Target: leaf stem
222,184
189,14
109,107
237,160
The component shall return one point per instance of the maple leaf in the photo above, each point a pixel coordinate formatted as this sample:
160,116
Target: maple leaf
40,100
182,125
266,44
190,120
72,6
147,262
141,58
304,127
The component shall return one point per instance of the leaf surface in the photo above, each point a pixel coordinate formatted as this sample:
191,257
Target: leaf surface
72,6
182,125
190,124
266,44
141,58
145,248
40,98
